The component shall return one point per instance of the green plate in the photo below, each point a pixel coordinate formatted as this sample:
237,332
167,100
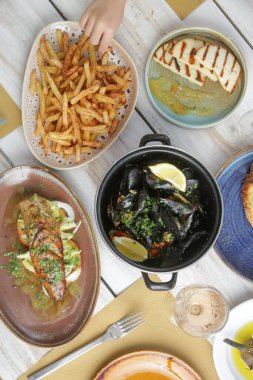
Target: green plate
216,103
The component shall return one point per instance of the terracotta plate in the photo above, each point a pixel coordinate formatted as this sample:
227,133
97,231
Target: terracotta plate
15,307
147,365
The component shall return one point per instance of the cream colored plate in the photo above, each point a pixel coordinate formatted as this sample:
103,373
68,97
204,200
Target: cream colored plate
154,363
30,103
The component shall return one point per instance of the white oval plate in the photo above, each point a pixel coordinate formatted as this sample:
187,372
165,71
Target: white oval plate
30,103
222,353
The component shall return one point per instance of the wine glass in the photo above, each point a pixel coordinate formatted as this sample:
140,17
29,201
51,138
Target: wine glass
199,310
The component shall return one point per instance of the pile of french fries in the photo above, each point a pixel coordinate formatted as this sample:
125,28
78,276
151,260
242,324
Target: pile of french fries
80,96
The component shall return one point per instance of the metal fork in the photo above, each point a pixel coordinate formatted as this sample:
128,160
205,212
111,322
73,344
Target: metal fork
113,332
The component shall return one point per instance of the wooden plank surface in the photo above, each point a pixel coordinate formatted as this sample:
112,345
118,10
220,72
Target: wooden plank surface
240,13
145,22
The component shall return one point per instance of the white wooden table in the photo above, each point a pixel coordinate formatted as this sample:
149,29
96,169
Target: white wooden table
145,22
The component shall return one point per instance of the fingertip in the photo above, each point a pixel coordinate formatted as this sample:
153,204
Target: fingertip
104,43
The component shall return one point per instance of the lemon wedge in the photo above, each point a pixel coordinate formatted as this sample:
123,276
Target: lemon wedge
28,265
170,173
130,248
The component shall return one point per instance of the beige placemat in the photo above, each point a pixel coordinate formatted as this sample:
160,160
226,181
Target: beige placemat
184,7
9,111
155,334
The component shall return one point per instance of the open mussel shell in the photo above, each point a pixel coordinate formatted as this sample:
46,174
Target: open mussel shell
158,185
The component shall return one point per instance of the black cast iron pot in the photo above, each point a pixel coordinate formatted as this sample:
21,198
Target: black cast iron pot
210,196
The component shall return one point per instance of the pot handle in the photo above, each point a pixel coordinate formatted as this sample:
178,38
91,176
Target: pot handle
159,285
154,137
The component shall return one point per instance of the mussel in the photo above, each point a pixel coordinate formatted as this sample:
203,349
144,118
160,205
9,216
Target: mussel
158,185
131,180
177,208
126,202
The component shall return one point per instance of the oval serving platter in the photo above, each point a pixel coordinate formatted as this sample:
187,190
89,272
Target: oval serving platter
16,310
147,362
30,103
235,242
223,102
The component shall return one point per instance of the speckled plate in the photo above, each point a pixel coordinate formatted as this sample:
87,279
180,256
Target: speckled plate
222,103
30,103
149,362
235,241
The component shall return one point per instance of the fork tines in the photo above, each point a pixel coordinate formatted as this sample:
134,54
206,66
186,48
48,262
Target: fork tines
130,322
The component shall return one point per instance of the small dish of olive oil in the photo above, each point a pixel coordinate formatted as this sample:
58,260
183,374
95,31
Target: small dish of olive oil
242,336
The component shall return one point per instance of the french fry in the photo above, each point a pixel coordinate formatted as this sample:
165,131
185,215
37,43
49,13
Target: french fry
106,117
127,76
78,51
54,87
42,71
50,69
87,73
65,42
54,117
92,144
59,38
56,63
103,99
44,50
80,83
105,68
65,110
68,58
118,80
59,136
77,153
105,59
42,100
51,51
83,149
61,142
41,132
32,85
56,103
75,124
101,128
89,112
82,94
92,57
85,48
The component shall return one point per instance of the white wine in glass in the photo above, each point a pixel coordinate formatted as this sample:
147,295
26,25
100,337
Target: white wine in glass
198,310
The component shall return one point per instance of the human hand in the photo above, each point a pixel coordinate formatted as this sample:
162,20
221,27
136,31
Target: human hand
101,20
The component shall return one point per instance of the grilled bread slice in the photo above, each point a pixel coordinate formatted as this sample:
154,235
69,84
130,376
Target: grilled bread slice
247,196
184,51
164,58
223,63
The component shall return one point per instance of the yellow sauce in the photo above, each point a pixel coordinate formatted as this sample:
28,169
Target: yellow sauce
180,99
147,376
242,336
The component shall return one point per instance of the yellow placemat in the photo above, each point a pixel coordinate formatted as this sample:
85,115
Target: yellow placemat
9,111
155,334
184,7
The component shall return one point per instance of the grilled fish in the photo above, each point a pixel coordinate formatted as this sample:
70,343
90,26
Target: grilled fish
185,50
163,56
46,248
223,63
247,196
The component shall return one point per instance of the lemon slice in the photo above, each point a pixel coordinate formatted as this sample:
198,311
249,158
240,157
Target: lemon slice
170,173
130,248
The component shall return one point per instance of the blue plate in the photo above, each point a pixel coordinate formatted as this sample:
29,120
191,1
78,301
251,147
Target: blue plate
235,242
